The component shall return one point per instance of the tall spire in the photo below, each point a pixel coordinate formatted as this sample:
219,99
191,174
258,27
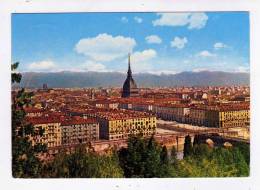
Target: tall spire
129,72
129,88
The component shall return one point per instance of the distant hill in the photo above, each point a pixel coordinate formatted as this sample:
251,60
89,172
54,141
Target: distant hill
113,79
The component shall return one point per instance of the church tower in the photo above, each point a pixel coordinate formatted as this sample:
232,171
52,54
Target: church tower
129,88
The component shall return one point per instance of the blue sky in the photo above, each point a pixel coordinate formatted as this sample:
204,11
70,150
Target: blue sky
158,42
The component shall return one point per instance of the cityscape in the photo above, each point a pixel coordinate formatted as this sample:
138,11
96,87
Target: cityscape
131,129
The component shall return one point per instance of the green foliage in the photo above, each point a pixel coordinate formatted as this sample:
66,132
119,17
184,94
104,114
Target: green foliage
187,146
14,66
244,149
173,157
143,158
16,77
203,168
196,140
212,162
164,156
24,160
146,158
83,164
199,150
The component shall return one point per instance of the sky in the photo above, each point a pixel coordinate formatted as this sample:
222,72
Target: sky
158,42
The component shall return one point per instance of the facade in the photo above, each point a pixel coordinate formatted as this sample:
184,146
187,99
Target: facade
227,118
114,129
136,104
172,112
129,88
120,124
197,116
105,104
52,131
64,131
224,116
125,105
148,107
79,131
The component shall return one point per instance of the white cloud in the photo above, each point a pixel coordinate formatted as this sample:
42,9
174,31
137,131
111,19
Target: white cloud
141,60
178,42
105,47
46,65
172,19
200,70
163,72
93,66
143,56
242,69
219,45
138,19
205,53
192,20
124,19
153,39
197,20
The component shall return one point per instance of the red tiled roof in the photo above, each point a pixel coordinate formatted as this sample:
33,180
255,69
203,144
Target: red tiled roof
114,114
43,120
78,121
32,110
223,107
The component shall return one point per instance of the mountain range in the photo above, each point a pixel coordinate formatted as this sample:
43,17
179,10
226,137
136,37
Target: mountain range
68,79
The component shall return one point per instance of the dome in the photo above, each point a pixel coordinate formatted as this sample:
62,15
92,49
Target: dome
129,83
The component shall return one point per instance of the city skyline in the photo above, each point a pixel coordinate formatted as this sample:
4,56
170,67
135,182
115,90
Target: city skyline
159,42
82,124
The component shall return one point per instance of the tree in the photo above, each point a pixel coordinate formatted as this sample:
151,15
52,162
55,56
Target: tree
16,77
24,160
212,162
196,140
164,156
241,163
201,150
165,162
131,158
153,160
244,148
143,158
173,157
83,164
187,146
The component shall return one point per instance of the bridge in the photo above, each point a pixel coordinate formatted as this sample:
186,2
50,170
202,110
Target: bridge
230,133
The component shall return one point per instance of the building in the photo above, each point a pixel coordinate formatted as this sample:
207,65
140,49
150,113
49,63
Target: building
172,112
120,124
129,88
137,104
220,116
229,116
197,116
108,104
52,130
78,130
59,131
33,112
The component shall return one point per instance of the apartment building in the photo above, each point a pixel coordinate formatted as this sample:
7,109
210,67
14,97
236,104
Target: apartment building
78,130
